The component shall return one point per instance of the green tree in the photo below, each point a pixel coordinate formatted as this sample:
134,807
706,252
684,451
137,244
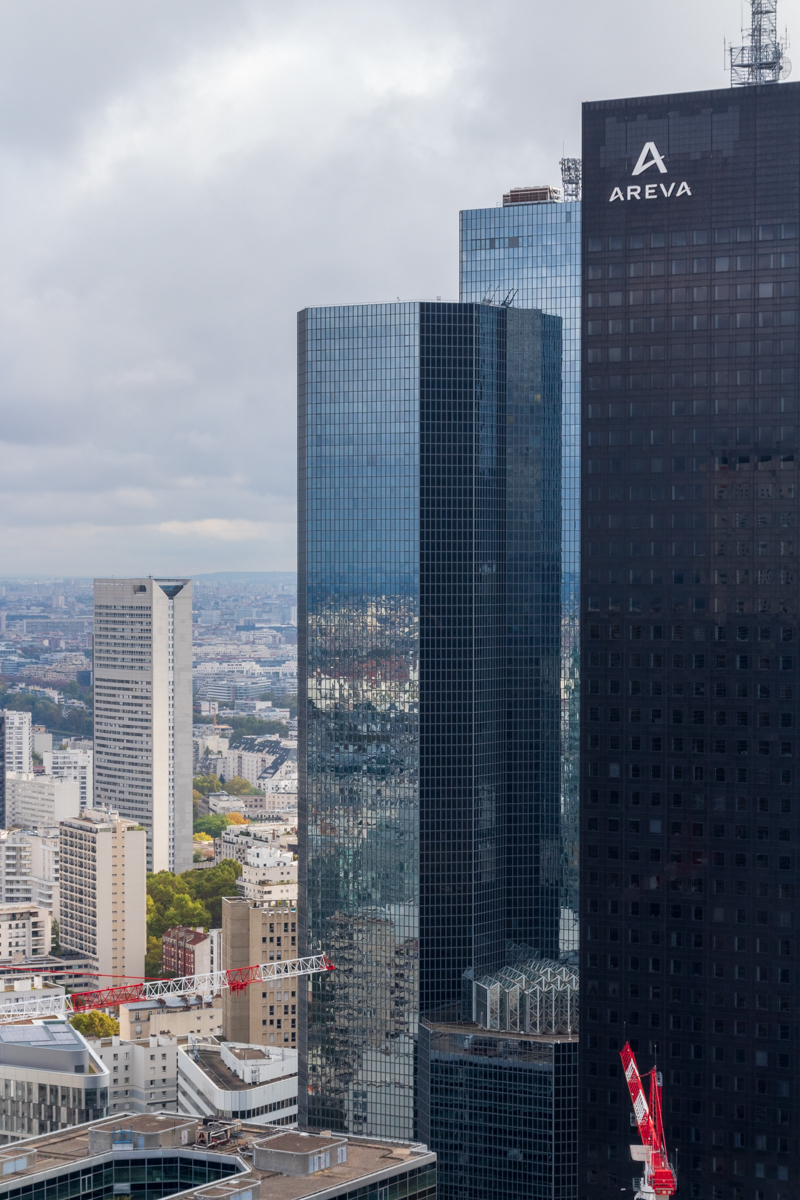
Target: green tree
193,898
152,961
249,726
207,783
95,1024
240,787
213,825
55,945
211,885
186,911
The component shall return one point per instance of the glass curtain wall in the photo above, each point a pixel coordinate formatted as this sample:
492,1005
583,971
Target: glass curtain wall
529,256
429,615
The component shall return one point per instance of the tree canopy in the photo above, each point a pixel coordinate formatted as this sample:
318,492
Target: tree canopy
95,1024
193,898
245,726
205,784
213,824
241,787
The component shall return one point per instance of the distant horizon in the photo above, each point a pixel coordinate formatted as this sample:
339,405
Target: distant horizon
232,576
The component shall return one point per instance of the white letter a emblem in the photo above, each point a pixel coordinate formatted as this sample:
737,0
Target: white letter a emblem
654,161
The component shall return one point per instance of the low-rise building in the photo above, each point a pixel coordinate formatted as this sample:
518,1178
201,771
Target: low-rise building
75,764
171,1016
33,801
25,931
17,990
159,1147
185,951
29,868
143,1073
50,1078
231,1081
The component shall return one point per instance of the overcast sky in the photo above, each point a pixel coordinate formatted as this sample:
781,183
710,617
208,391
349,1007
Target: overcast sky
179,177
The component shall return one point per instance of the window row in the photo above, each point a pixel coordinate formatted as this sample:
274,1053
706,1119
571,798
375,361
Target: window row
721,263
699,321
693,829
765,289
781,230
679,772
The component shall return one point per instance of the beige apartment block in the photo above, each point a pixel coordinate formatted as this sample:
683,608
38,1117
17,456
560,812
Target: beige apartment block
264,1014
171,1016
24,930
143,711
103,898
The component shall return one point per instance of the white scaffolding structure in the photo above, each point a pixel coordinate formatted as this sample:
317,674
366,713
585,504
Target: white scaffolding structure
538,997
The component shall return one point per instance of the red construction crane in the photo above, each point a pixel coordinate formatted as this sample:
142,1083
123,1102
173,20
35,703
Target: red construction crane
237,979
658,1178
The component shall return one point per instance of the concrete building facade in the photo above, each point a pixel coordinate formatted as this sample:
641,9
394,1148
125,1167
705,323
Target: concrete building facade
103,893
24,931
37,800
50,1078
143,1073
172,1016
231,1080
18,741
143,711
255,933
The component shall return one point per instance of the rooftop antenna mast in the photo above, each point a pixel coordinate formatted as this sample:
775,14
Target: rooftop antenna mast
763,59
571,178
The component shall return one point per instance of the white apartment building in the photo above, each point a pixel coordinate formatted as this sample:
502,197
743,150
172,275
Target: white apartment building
231,1081
29,868
143,1073
25,929
143,711
38,800
103,907
18,741
77,765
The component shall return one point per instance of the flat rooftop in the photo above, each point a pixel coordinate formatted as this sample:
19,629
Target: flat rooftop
247,1053
479,1033
212,1064
61,1151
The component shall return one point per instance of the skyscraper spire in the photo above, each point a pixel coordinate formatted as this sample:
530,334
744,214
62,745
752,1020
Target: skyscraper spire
763,59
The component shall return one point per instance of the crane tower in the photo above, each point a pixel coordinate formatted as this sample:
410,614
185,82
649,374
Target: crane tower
658,1178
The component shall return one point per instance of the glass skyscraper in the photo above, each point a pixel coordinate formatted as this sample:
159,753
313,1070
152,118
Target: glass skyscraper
691,701
429,618
529,255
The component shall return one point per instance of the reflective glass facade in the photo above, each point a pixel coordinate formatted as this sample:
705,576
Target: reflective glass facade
530,256
429,615
501,1110
690,634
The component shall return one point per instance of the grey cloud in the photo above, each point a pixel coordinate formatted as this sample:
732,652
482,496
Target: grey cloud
176,180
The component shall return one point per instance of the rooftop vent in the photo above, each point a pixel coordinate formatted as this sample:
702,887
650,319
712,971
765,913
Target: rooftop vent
531,195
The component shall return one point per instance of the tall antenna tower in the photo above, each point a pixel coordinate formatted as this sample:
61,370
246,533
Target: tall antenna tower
571,178
763,59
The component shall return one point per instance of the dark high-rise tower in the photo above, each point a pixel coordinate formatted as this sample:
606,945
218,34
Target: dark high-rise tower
429,610
690,703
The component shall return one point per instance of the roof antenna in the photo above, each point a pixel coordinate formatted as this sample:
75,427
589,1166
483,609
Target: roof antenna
572,177
763,59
